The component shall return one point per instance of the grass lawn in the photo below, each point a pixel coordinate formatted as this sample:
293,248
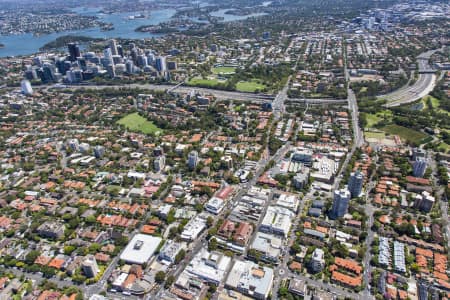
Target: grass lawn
203,82
135,122
443,147
405,133
374,135
372,120
223,70
434,101
249,86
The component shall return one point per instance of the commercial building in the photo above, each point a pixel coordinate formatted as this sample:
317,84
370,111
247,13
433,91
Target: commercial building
317,260
215,205
289,201
74,51
340,203
250,279
140,249
209,266
170,251
269,246
303,156
297,287
90,267
300,180
193,229
355,184
278,220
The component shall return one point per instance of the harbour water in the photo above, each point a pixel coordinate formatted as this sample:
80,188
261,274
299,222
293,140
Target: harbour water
124,27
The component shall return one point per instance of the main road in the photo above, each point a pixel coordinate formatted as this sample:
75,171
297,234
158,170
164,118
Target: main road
219,94
425,83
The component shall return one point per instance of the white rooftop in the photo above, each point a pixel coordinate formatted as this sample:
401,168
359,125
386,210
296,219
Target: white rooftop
140,249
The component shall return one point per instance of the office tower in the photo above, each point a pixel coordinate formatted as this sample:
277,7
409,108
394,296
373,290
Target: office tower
74,76
340,203
192,160
26,87
419,167
30,74
113,46
82,63
172,65
129,67
120,50
90,267
74,51
107,56
37,61
150,58
142,60
159,163
117,59
355,184
48,73
160,64
111,70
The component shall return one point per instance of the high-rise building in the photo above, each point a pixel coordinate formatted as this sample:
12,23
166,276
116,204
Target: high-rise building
160,64
419,167
192,160
26,87
99,151
317,260
159,163
113,46
111,70
120,50
74,51
424,201
90,267
129,65
355,184
142,60
418,153
107,57
340,203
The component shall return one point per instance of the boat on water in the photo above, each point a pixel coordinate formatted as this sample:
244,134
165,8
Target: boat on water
138,16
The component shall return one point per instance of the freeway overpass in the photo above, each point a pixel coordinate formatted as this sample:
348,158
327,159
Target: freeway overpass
317,101
219,94
424,84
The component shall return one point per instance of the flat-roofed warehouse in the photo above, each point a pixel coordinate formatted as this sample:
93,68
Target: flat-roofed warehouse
140,249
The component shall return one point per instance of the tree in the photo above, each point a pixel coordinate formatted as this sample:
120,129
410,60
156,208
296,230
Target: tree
160,277
212,246
31,256
170,280
180,256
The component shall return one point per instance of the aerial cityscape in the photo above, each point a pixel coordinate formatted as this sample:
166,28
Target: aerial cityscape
238,149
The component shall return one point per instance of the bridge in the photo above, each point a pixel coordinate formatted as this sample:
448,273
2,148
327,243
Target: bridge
317,101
